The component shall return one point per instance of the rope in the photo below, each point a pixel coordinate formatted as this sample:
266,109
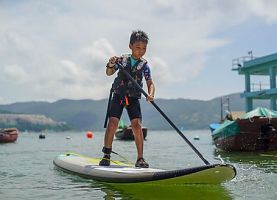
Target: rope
125,159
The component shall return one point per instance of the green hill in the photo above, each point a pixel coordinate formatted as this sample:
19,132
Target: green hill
90,114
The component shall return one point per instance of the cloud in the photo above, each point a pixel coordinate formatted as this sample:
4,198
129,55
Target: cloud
264,9
99,52
60,49
14,74
161,71
83,78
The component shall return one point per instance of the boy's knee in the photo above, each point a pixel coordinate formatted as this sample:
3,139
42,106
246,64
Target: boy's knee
113,122
136,124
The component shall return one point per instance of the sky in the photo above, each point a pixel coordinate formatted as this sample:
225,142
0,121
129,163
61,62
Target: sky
58,49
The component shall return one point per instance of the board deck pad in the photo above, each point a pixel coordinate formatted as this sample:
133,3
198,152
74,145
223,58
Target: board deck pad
119,172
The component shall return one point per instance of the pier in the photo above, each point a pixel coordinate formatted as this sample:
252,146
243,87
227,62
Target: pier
263,66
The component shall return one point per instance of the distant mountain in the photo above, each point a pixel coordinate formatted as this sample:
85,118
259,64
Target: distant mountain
79,114
90,114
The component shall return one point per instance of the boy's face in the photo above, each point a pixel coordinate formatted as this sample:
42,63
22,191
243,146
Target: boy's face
138,49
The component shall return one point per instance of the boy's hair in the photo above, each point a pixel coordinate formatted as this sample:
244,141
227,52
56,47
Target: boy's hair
138,36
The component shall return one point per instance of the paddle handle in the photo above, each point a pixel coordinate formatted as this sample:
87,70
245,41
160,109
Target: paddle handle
162,113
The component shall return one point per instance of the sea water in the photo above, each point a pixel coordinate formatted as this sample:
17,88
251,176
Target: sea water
27,170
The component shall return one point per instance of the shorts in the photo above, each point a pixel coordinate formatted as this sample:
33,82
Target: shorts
133,109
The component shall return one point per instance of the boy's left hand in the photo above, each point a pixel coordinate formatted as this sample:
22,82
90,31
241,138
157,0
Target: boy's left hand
150,97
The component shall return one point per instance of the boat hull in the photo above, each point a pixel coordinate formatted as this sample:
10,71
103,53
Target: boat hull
251,135
8,135
127,133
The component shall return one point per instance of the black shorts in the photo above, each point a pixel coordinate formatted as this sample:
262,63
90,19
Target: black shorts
133,109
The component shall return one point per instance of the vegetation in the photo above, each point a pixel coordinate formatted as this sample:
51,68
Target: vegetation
90,114
29,122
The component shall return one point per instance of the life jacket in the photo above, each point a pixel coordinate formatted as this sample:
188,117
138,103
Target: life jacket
122,85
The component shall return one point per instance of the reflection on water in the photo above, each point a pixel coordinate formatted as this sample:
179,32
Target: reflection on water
159,192
144,191
266,161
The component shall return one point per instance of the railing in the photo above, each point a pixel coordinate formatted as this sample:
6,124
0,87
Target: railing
238,62
259,86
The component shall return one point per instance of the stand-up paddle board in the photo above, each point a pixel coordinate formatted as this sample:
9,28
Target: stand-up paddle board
119,172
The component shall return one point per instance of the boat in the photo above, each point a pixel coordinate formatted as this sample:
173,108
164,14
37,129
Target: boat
122,173
214,126
8,135
126,133
253,131
41,136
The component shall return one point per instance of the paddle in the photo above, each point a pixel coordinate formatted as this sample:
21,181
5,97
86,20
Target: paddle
162,113
108,108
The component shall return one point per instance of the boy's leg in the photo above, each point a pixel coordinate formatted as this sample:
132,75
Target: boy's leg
135,116
114,116
110,131
138,135
108,140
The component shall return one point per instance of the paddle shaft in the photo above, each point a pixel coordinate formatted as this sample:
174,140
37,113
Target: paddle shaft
108,108
162,113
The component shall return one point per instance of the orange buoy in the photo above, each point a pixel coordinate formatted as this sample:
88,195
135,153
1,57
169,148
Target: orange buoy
89,134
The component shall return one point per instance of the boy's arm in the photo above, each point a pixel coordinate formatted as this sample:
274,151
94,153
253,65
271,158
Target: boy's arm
151,90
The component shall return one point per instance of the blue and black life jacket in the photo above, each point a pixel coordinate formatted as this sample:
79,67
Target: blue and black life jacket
122,85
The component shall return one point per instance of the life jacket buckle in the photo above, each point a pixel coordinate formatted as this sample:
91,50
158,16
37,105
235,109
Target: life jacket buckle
125,101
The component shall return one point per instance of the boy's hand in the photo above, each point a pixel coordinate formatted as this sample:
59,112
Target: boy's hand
150,97
112,61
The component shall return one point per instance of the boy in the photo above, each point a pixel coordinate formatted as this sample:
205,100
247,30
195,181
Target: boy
126,94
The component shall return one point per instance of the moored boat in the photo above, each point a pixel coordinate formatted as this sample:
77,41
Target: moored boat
126,133
253,131
8,135
41,136
214,126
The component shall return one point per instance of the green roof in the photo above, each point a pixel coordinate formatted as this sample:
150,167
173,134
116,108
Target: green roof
260,112
230,128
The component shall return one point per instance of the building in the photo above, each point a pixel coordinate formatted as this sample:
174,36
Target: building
263,66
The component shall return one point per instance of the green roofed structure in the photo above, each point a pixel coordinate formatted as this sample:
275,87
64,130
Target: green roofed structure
231,128
262,66
253,131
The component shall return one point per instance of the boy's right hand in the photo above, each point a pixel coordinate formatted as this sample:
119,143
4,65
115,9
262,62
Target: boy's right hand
112,61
